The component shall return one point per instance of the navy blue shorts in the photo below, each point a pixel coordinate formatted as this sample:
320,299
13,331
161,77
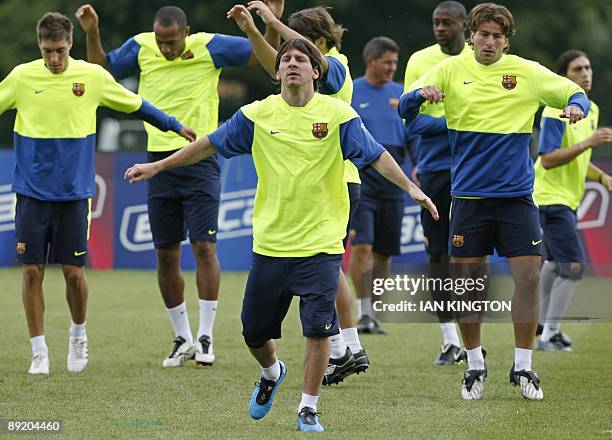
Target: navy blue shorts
562,241
52,232
437,186
272,284
184,198
378,222
510,225
354,190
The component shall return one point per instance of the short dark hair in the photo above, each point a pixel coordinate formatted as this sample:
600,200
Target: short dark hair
314,23
377,47
566,58
486,12
307,48
166,16
456,7
54,26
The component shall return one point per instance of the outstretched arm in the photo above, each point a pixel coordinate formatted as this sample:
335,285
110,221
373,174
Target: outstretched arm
88,18
597,174
192,153
390,170
410,103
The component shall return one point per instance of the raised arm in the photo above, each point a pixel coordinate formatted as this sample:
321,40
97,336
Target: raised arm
262,50
273,22
192,153
88,18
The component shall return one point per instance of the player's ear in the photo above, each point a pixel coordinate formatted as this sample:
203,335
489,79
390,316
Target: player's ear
315,73
187,30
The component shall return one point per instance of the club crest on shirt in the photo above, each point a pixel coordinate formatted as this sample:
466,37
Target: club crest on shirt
78,89
394,102
509,82
457,240
319,130
188,55
21,248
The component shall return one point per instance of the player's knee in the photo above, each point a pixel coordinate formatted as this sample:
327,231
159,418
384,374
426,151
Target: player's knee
33,274
572,271
530,279
361,253
168,258
74,275
205,252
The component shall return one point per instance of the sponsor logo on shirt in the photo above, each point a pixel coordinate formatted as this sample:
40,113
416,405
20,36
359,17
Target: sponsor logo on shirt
78,89
394,102
509,82
319,130
187,55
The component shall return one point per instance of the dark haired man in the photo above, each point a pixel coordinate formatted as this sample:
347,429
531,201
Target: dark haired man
317,26
434,159
56,99
299,141
180,73
492,172
560,174
377,224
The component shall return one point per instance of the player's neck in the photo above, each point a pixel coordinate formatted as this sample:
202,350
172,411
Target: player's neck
454,47
297,96
374,80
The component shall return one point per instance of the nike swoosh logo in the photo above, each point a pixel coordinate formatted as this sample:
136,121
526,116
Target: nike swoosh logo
78,254
468,82
535,243
36,92
328,326
274,132
211,232
364,105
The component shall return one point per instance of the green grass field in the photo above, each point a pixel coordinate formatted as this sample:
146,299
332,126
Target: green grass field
124,392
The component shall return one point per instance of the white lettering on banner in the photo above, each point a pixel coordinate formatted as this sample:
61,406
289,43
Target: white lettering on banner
100,198
412,231
235,220
593,191
8,200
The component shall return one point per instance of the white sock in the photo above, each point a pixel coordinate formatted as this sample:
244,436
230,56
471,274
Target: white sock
366,307
351,337
522,359
475,359
208,311
547,278
78,330
449,333
338,346
39,345
309,401
560,298
272,372
180,322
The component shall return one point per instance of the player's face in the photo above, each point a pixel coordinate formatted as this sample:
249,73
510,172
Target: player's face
170,40
383,69
489,43
579,71
295,70
55,53
447,26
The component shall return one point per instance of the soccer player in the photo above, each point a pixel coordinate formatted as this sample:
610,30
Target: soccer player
179,72
299,141
560,174
377,224
56,99
317,26
490,99
434,159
